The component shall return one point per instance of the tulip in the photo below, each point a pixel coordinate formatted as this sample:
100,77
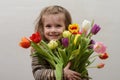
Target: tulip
95,29
86,25
99,47
79,32
76,38
35,37
65,42
92,42
101,65
103,56
52,44
66,34
73,28
24,43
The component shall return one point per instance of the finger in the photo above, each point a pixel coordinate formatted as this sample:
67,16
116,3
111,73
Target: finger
77,78
72,78
69,78
68,65
76,73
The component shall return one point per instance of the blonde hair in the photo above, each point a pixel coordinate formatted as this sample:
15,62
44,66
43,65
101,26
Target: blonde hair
52,10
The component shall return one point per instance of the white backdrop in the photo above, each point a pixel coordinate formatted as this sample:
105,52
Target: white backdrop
17,19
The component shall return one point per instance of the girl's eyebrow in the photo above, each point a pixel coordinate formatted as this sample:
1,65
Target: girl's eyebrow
47,25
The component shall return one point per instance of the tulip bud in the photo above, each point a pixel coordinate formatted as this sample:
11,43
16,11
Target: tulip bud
86,25
65,42
24,43
66,34
35,37
99,47
103,56
76,38
73,28
101,65
52,44
92,42
95,29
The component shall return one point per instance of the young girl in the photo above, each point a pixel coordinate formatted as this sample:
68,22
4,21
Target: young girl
52,22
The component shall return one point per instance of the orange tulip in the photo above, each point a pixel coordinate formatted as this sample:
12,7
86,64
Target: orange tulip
24,43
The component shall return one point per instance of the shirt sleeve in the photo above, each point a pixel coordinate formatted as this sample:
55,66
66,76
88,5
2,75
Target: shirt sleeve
41,70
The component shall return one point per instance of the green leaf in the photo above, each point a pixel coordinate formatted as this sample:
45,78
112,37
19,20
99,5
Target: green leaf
42,43
73,54
59,71
42,52
62,55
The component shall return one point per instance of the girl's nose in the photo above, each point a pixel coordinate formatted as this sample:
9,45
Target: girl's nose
53,29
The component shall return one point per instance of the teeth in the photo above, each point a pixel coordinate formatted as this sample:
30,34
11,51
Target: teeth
55,34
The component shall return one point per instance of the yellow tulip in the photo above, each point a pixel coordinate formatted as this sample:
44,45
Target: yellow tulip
73,28
52,44
76,38
66,34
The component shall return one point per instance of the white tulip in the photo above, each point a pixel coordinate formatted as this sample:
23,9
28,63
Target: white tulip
86,25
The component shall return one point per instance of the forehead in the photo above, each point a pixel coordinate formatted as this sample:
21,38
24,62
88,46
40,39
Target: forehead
54,18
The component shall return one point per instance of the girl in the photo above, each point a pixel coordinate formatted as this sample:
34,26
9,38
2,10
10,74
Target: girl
52,22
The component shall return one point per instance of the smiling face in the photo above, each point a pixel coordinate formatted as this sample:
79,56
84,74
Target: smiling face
53,26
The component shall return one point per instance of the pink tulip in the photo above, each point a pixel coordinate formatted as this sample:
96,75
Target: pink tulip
99,47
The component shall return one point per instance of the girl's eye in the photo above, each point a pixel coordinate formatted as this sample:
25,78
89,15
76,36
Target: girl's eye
58,25
47,26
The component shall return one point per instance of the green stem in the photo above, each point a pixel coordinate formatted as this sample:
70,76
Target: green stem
93,56
92,67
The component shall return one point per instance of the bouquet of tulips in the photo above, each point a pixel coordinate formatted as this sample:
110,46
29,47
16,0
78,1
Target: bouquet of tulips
76,46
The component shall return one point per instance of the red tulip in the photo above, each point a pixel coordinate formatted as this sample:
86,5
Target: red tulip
101,65
103,56
35,37
79,32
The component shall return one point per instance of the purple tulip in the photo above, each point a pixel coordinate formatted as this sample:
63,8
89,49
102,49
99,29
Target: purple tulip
92,42
65,42
95,29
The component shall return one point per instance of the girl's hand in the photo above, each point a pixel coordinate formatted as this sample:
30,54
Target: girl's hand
69,74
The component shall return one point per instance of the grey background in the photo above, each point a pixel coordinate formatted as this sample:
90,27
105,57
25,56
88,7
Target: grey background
17,19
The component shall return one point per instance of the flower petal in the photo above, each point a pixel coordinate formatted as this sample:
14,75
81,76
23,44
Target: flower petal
25,43
35,37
